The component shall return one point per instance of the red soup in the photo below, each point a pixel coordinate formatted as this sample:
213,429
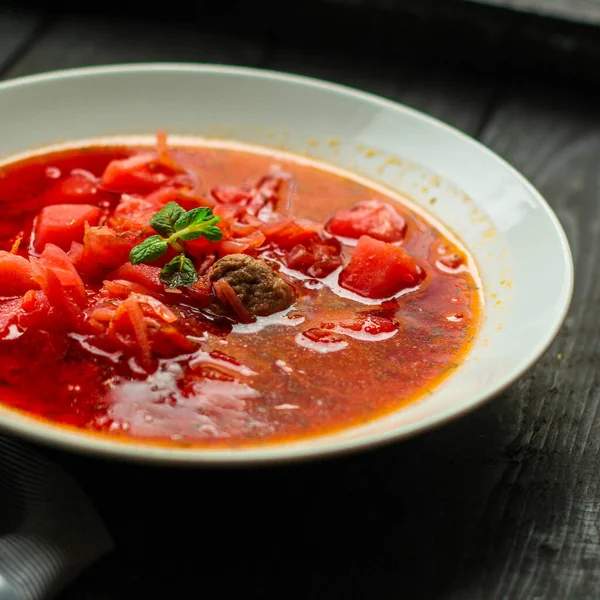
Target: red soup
219,296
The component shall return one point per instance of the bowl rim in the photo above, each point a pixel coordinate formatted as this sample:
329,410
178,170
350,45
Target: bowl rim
81,442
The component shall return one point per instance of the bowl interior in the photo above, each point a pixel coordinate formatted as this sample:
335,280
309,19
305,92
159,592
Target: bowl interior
518,245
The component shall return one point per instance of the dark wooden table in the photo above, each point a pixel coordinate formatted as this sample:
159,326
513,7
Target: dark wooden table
503,504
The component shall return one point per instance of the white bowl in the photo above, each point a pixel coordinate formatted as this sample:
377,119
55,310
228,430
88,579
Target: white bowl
517,242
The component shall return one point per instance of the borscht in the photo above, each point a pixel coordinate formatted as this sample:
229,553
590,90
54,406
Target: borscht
213,294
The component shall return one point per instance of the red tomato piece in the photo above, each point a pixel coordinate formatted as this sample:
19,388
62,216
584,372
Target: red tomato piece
134,213
198,248
58,261
201,291
63,224
103,249
378,269
162,195
64,312
77,188
373,218
16,277
144,275
140,173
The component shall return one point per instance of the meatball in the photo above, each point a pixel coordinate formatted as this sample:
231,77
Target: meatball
260,289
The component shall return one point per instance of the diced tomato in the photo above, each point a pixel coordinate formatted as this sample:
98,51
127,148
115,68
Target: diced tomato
201,291
227,212
373,218
59,262
63,224
162,195
15,275
77,188
64,311
288,232
103,249
378,269
141,173
198,248
145,275
134,213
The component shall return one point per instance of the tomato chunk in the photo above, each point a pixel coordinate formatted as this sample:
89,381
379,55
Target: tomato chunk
134,213
379,270
77,188
58,261
144,275
63,224
140,173
103,248
374,218
15,275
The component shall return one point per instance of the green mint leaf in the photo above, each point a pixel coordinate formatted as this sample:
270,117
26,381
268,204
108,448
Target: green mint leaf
192,235
179,272
150,249
194,217
164,220
212,233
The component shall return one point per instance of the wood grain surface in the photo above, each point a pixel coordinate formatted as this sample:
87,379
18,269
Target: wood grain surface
502,504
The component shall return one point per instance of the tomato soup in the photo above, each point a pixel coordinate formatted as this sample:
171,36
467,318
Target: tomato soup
220,295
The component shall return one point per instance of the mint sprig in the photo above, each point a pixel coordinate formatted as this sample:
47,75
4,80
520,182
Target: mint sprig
179,272
174,226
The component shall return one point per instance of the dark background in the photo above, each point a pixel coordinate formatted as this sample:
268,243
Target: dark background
502,504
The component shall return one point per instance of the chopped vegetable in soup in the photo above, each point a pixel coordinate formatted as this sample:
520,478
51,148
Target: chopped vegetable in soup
219,295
